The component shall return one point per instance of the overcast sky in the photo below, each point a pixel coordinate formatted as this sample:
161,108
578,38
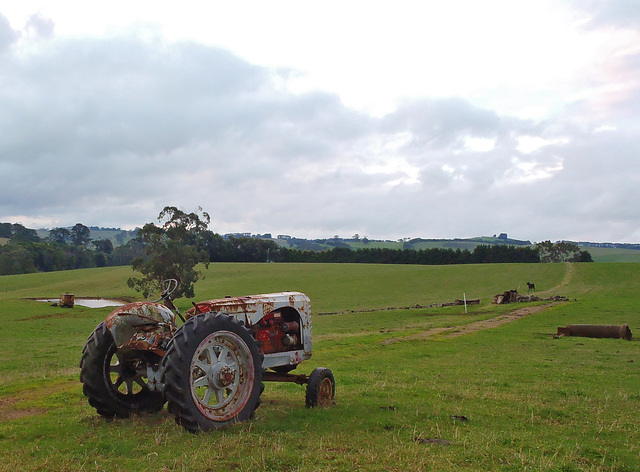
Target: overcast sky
386,119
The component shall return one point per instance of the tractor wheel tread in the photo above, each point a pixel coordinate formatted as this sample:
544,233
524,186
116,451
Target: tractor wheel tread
176,375
97,387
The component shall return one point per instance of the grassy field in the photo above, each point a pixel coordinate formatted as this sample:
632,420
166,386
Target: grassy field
606,254
510,398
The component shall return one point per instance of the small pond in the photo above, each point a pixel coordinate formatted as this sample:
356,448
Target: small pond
88,302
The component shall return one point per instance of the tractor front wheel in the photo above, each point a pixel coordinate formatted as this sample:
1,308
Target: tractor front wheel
321,388
115,385
212,373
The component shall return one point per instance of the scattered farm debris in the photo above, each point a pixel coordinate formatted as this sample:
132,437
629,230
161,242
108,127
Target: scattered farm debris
442,442
67,300
512,296
475,301
460,418
596,331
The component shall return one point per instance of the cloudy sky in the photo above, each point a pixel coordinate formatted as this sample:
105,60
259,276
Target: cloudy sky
386,119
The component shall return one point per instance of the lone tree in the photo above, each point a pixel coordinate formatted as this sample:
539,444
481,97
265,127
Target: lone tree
80,235
103,245
60,235
562,251
171,252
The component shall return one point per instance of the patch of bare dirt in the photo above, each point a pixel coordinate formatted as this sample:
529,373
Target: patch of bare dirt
9,412
14,407
455,331
47,316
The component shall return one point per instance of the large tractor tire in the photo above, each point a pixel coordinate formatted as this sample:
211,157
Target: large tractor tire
116,386
212,373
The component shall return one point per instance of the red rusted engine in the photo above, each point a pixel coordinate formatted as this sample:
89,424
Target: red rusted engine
275,334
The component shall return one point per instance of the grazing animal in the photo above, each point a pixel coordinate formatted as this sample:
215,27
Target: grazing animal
531,286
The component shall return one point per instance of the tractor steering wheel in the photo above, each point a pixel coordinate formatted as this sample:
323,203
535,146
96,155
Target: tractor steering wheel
167,286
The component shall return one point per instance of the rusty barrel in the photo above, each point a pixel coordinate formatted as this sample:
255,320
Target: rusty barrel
67,300
597,331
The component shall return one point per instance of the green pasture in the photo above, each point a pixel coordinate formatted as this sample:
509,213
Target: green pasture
512,398
612,254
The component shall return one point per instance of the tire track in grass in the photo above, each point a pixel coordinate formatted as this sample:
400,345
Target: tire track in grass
455,331
566,279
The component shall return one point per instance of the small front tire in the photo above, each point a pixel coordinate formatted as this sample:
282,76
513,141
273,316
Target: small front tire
321,388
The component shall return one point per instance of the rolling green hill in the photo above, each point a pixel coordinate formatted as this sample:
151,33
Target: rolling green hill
599,254
606,254
116,236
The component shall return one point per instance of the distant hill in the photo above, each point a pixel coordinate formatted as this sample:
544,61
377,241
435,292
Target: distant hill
117,236
612,254
416,243
634,247
600,252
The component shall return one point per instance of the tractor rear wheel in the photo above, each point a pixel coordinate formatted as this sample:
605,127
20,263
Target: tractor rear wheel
212,373
321,388
115,385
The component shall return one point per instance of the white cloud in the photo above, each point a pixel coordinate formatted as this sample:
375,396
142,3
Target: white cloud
373,118
529,171
530,144
479,144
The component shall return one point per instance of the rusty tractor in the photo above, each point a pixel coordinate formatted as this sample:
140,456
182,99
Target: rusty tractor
210,370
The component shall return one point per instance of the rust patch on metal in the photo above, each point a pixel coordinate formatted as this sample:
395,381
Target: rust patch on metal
226,376
142,325
300,379
153,312
150,340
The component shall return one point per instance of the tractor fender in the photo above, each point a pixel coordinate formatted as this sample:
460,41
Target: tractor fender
124,322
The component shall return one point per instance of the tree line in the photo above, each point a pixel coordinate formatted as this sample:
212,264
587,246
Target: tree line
184,237
63,249
435,256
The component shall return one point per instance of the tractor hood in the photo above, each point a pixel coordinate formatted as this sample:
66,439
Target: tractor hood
254,307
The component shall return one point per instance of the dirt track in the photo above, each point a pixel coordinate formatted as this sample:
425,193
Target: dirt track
455,331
